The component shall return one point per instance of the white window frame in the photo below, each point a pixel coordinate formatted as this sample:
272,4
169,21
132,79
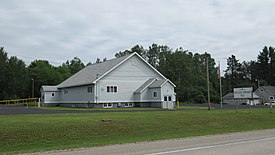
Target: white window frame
111,89
130,104
53,94
107,105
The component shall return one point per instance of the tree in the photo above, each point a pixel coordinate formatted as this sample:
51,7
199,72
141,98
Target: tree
16,79
139,49
43,74
74,65
3,73
233,72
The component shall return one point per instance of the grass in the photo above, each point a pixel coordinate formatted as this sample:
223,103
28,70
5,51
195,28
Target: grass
102,109
31,133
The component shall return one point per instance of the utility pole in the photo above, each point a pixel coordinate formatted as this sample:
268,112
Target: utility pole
220,78
32,88
208,89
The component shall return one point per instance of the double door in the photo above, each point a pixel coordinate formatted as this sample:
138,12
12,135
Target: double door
167,102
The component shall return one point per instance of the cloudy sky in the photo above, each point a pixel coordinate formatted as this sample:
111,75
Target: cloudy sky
58,30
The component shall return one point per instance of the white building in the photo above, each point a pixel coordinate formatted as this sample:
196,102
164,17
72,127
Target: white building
122,82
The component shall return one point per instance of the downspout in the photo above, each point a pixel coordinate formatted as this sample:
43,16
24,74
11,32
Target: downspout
96,92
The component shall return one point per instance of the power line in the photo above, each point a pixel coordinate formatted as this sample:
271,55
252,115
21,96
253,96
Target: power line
33,58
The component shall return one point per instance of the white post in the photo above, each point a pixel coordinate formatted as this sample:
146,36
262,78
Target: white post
39,102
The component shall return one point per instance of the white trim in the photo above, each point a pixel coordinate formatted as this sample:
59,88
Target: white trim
113,68
126,60
111,106
128,104
147,85
167,80
112,92
150,66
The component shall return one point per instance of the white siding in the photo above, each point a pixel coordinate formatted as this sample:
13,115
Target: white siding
48,98
128,77
77,95
168,90
151,92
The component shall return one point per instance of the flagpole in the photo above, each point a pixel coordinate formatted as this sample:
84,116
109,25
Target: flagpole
208,83
220,83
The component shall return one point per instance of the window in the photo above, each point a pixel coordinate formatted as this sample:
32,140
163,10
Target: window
271,98
52,94
107,105
155,94
65,91
128,105
165,98
90,89
111,89
169,98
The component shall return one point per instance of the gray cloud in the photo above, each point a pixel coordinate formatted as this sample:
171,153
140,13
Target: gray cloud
60,30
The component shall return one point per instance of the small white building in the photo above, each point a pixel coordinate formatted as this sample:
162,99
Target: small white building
128,81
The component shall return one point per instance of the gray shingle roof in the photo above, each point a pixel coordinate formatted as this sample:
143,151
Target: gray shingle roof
50,88
270,89
157,83
90,73
229,96
144,85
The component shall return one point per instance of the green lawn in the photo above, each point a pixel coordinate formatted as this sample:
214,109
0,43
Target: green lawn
30,133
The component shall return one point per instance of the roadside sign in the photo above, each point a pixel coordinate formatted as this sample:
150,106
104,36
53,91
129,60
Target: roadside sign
243,92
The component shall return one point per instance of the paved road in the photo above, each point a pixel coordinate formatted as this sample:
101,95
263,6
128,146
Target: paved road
244,143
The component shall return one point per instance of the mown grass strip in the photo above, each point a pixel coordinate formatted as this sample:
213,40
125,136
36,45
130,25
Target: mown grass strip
30,133
103,109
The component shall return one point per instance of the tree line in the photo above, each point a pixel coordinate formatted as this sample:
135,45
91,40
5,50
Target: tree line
184,68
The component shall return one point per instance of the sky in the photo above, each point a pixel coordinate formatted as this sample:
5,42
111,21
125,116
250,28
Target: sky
59,30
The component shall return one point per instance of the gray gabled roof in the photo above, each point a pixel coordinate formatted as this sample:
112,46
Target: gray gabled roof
157,83
270,89
144,85
92,72
152,83
228,96
50,88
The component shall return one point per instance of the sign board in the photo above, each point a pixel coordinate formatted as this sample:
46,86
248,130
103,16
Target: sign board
243,92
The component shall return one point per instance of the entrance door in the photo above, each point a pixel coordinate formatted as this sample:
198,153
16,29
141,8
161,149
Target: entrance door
167,102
